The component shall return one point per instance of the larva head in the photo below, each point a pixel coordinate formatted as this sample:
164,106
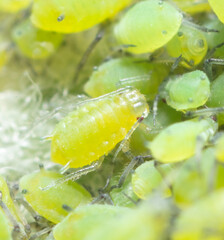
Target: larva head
67,16
188,91
190,43
12,6
218,7
148,25
35,43
48,203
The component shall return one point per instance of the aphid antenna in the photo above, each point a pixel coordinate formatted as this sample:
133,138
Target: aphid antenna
136,160
129,198
127,137
141,78
65,168
208,66
200,28
86,55
74,175
204,111
17,228
40,233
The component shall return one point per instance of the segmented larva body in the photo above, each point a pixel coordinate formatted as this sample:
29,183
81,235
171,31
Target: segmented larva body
94,128
67,16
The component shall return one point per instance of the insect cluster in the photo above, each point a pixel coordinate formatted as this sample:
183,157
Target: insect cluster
112,116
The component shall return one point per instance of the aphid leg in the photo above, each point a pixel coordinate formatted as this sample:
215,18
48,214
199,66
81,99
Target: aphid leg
105,197
75,175
129,198
40,233
204,112
125,81
176,63
201,28
86,54
124,142
166,179
208,66
213,50
17,228
155,108
136,160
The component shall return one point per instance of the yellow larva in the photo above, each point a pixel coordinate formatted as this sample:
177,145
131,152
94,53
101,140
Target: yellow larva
94,128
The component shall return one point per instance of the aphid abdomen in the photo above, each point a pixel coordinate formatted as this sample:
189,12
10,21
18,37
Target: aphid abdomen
95,128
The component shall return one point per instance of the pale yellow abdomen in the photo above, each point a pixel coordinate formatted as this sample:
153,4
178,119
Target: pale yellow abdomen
96,127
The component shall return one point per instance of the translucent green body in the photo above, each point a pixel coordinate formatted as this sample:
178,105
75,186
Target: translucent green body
190,43
196,177
179,141
12,6
80,223
5,229
35,43
203,220
148,25
147,178
48,203
216,98
67,16
145,77
94,128
188,91
193,6
219,149
218,8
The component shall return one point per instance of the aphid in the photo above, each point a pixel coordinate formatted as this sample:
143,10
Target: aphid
181,140
216,98
148,26
203,220
83,220
95,127
148,221
67,16
49,203
148,178
193,6
12,6
122,72
218,7
5,229
196,177
187,91
189,43
35,43
219,149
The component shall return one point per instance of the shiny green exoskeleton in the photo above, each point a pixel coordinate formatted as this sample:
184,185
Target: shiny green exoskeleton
188,91
190,43
179,141
218,8
48,203
148,25
68,16
35,43
134,72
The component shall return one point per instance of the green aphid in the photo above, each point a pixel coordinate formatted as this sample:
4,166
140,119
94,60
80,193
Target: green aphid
187,91
216,98
82,221
121,72
148,25
148,178
49,203
180,141
189,43
35,43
